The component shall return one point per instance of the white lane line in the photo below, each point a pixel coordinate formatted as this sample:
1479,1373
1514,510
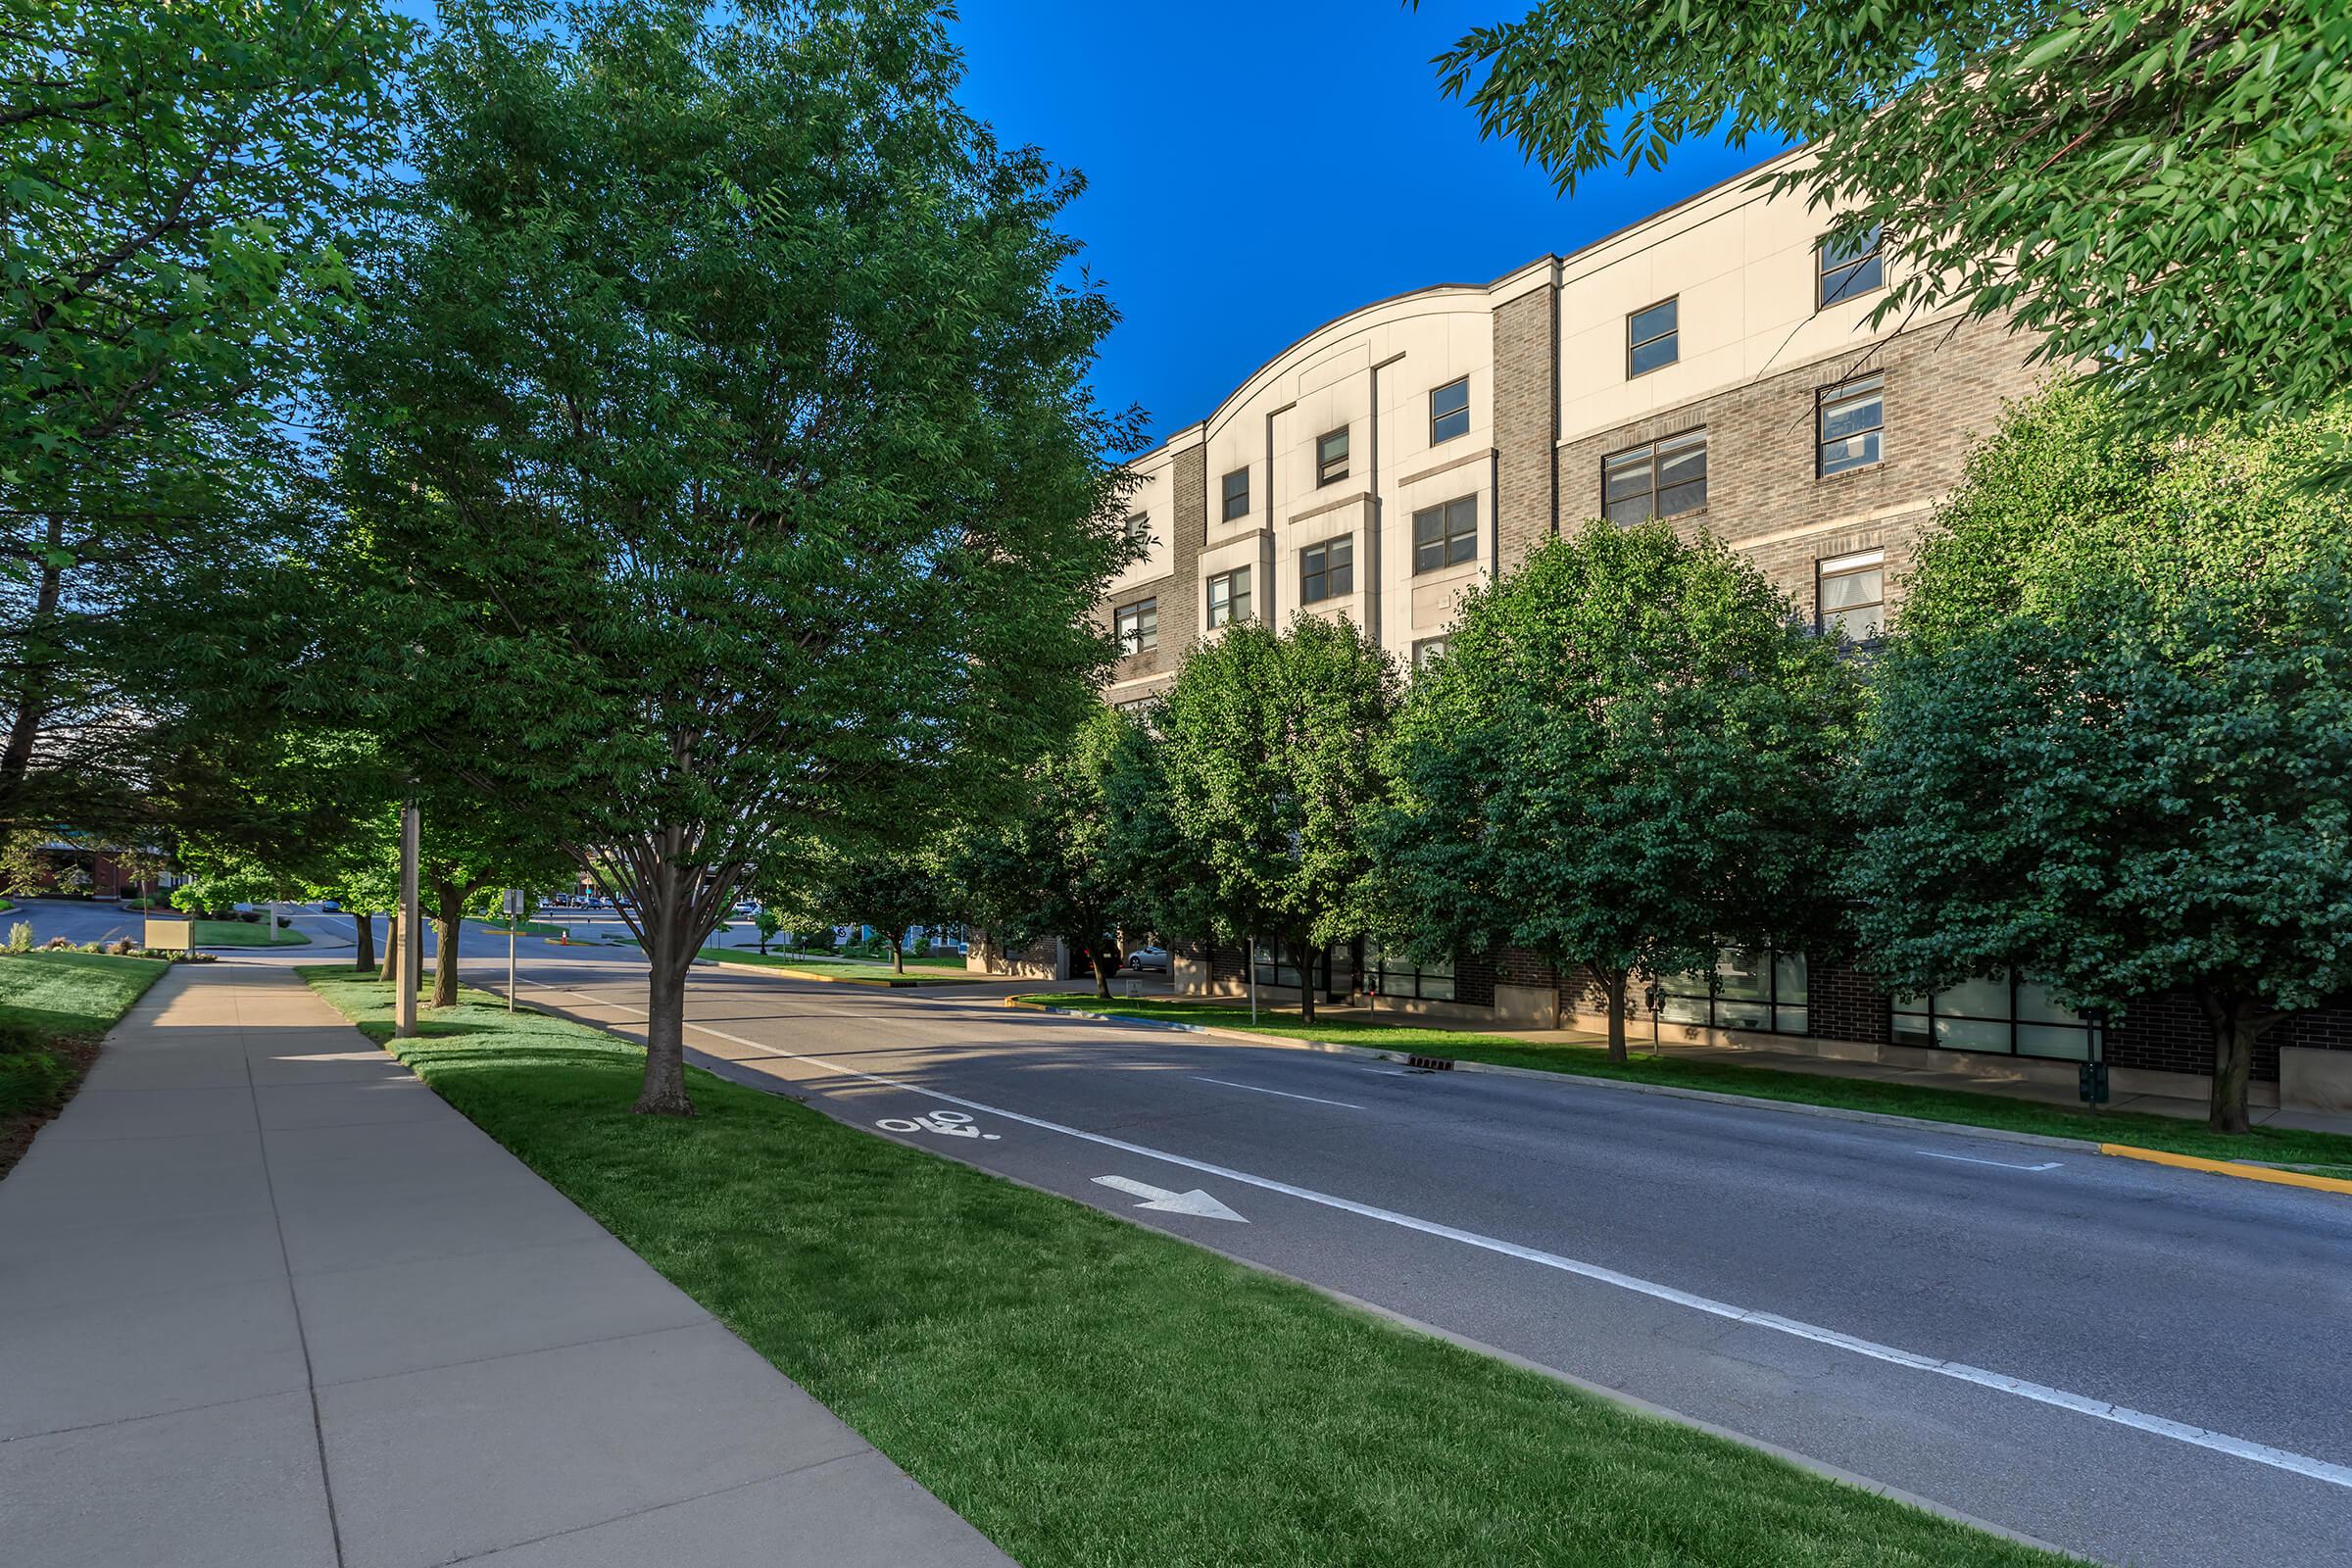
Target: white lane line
1284,1093
2262,1454
1997,1164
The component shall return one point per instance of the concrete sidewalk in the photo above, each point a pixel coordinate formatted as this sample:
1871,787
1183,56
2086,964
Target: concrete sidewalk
265,1300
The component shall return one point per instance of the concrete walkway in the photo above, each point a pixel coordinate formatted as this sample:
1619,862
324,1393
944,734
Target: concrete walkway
265,1300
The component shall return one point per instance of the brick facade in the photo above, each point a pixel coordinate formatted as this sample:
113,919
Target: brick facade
1177,591
1527,420
1944,387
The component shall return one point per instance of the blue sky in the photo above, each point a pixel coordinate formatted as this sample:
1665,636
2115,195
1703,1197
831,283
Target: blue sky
1231,150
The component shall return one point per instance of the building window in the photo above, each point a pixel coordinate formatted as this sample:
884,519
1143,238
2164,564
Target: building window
1652,335
1276,964
1660,480
1140,707
1229,597
1137,626
1450,411
1851,418
1237,494
1852,593
1446,535
1847,272
1427,652
1393,976
2005,1014
1327,570
1139,528
1331,457
1764,990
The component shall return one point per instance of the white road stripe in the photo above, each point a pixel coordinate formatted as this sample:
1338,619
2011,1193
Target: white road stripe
2262,1454
1997,1164
1284,1093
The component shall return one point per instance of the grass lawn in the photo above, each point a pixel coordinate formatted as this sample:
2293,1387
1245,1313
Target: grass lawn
528,928
53,1008
1089,1393
919,971
244,934
2280,1146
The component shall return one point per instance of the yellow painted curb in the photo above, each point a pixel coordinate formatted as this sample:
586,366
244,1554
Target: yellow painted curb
2228,1167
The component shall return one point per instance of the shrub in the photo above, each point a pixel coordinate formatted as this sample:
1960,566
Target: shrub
250,916
58,944
16,1037
19,937
921,948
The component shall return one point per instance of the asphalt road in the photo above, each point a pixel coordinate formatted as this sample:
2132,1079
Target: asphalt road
2141,1365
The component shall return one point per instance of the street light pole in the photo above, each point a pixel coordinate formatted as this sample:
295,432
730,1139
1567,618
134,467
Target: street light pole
410,972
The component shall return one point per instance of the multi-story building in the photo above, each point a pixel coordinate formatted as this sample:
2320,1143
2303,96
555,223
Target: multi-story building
1715,365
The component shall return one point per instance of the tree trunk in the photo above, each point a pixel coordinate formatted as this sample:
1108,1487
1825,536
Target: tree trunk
2236,1025
1612,983
1103,974
669,952
33,696
391,969
363,927
898,956
448,924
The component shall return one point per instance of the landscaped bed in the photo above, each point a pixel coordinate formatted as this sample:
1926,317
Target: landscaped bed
54,1005
2268,1145
1087,1392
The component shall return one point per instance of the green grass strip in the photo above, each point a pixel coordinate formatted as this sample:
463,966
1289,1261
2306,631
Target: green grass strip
1089,1393
49,996
919,971
244,934
2268,1144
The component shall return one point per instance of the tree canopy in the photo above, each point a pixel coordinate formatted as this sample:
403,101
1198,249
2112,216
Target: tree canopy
717,438
1268,743
1626,759
177,179
2113,755
2157,191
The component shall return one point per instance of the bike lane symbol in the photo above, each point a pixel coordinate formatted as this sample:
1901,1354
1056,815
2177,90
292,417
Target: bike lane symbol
947,1123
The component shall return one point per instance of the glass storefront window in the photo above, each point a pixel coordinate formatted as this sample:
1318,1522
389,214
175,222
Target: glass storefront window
1398,977
1745,989
2004,1013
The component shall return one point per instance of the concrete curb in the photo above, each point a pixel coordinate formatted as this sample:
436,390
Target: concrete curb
2217,1167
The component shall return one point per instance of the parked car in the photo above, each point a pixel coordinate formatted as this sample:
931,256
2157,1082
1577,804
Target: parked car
329,907
1149,960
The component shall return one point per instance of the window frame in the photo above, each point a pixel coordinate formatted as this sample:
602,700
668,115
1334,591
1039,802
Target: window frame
1772,1002
1146,638
1427,651
1324,571
1229,496
1435,439
1323,462
1695,435
1853,564
1634,345
1237,604
1822,396
1138,528
1379,970
2092,1028
1445,535
1845,289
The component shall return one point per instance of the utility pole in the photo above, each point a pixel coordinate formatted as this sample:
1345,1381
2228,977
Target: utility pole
410,972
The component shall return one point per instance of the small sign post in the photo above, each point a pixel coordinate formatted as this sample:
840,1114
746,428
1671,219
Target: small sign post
513,901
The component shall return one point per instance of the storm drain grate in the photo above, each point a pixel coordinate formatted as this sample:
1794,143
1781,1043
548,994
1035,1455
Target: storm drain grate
1431,1064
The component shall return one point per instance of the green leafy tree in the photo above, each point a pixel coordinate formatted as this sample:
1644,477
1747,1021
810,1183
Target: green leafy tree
2113,753
717,436
1269,745
1058,865
175,179
890,888
768,922
1627,759
2157,190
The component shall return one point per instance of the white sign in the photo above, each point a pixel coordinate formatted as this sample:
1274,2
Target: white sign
947,1123
515,901
1195,1201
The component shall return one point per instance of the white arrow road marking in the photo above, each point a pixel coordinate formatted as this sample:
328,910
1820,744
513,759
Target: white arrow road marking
2301,1464
1282,1093
1195,1201
1997,1164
